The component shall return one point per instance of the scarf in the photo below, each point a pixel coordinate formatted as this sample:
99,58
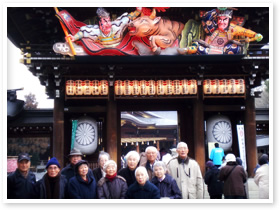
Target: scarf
52,186
186,160
111,178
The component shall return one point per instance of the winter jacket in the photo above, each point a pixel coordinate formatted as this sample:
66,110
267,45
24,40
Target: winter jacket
97,173
262,180
188,177
80,189
149,169
128,175
19,187
167,187
234,183
42,192
69,171
112,190
148,191
215,186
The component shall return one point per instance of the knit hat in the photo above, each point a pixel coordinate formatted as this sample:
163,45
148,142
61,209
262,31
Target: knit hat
53,161
239,161
209,164
230,158
23,156
79,164
263,159
75,151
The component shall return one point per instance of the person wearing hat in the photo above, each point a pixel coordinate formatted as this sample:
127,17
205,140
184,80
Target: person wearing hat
214,185
261,177
234,177
83,184
53,185
74,157
21,183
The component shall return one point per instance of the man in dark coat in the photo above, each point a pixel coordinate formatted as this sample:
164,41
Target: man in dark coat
214,185
21,183
98,172
234,178
74,157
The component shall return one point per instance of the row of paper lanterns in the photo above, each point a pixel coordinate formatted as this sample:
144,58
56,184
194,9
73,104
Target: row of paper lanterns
224,86
87,87
152,87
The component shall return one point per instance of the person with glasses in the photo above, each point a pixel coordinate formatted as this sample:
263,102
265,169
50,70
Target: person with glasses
187,173
53,185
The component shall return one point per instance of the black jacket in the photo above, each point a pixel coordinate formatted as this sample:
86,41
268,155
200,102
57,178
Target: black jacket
128,175
80,189
168,187
148,191
20,187
215,186
69,171
97,173
112,190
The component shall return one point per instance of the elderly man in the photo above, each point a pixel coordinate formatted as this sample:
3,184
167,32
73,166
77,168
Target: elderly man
108,33
74,157
99,172
21,183
187,174
151,153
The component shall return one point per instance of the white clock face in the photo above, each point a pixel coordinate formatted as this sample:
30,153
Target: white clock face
85,134
222,132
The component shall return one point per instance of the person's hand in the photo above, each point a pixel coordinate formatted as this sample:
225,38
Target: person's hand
71,37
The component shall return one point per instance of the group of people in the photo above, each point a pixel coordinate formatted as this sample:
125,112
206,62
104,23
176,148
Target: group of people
142,178
226,176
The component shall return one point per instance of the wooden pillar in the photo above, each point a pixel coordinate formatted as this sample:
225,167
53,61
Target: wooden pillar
158,146
198,124
111,128
137,148
58,130
250,134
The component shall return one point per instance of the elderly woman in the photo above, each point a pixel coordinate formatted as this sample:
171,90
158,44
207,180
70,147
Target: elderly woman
142,188
165,183
98,172
82,185
111,186
53,185
132,159
262,177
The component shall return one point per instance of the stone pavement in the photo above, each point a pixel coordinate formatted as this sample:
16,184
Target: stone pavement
252,188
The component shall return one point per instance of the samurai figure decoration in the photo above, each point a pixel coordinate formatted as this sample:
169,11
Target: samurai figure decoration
222,36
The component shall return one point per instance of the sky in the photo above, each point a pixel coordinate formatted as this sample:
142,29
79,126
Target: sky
19,76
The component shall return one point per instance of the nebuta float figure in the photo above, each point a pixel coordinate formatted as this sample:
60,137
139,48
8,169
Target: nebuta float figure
222,36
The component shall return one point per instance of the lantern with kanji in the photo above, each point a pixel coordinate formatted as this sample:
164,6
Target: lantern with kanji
160,87
231,86
215,86
192,86
119,87
80,87
223,86
104,87
70,87
207,86
151,87
95,87
184,87
143,87
169,89
176,87
240,86
135,88
127,87
87,90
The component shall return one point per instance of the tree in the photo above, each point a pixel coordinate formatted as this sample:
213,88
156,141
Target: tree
30,101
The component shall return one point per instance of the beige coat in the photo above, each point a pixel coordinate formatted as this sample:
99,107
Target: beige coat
262,180
190,180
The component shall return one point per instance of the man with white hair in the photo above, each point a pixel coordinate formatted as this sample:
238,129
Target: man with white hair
151,154
187,173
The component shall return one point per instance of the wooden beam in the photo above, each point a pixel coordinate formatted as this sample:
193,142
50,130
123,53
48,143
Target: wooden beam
250,135
58,130
198,123
223,108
